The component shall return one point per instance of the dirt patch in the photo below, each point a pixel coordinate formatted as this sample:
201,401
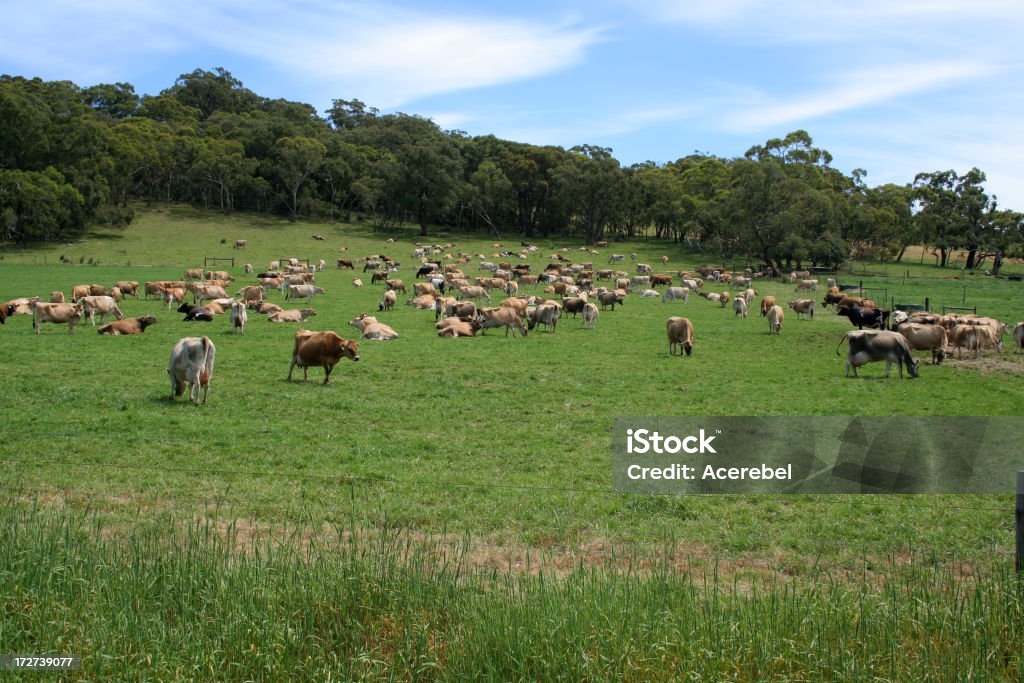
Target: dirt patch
986,365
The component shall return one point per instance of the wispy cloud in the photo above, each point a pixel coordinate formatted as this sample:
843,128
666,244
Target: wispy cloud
385,55
854,90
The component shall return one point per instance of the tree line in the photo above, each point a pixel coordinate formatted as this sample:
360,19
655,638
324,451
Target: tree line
72,156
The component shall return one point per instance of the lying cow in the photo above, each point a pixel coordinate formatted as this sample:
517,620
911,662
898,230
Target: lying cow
320,349
128,326
372,329
192,365
58,314
291,315
195,313
457,326
868,346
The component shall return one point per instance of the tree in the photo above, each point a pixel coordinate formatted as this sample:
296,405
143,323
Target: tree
592,183
955,212
298,159
349,114
222,165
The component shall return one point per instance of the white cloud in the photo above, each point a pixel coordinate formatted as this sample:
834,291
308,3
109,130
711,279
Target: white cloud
853,90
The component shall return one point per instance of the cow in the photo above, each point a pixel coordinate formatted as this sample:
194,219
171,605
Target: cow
58,314
238,317
610,298
320,349
191,365
680,335
867,346
193,274
250,294
616,258
372,329
776,317
811,285
57,298
356,282
128,288
474,292
461,309
291,315
299,291
861,317
974,338
803,307
204,292
396,285
573,304
1018,336
240,244
219,275
104,305
115,293
265,307
173,295
501,316
749,295
345,263
5,311
546,315
79,292
426,270
925,338
388,301
128,326
195,313
661,280
458,327
421,288
766,303
739,306
590,315
644,269
217,306
832,298
249,270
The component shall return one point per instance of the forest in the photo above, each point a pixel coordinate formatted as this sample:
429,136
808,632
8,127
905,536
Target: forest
73,158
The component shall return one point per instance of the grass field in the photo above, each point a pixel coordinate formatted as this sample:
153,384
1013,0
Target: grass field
496,448
504,438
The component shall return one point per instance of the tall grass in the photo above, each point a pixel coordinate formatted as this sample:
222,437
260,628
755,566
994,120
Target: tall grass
198,602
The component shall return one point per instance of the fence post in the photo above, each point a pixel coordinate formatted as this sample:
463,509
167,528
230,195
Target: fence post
1018,564
927,305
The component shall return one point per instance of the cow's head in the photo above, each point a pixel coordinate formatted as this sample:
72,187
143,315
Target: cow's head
912,366
146,320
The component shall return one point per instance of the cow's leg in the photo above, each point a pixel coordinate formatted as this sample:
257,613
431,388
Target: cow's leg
327,373
290,368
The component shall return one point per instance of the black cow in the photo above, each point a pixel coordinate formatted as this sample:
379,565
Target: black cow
194,313
6,312
869,317
573,304
425,271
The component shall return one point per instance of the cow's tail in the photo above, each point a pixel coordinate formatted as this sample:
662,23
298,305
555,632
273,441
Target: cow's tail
845,337
206,370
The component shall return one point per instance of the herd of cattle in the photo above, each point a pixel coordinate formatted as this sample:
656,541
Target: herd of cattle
456,300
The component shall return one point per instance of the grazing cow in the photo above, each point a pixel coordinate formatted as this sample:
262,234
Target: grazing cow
299,291
128,288
388,302
249,270
115,293
58,314
832,298
680,335
238,317
57,298
861,317
128,326
154,288
320,349
345,263
396,285
616,258
590,315
739,306
458,326
1018,336
661,280
775,319
474,292
867,346
608,298
573,304
97,290
173,295
501,316
104,305
191,365
749,295
644,269
546,315
803,307
240,244
195,313
79,292
291,315
925,338
811,285
974,338
193,274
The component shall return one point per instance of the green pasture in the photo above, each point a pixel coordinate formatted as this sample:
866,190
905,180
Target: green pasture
504,439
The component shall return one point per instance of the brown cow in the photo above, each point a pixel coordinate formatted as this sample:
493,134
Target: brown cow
128,326
766,303
57,314
292,315
321,349
680,334
128,288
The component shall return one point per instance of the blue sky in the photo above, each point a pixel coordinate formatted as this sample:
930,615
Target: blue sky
892,87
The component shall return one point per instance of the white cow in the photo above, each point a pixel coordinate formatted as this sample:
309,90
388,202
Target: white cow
191,365
238,317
